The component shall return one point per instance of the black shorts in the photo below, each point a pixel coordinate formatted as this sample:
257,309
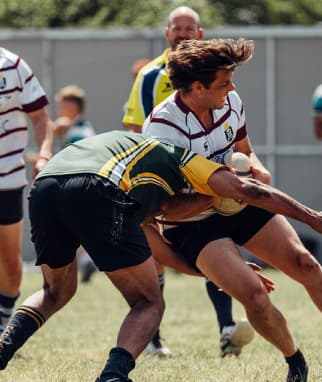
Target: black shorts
11,210
68,211
188,239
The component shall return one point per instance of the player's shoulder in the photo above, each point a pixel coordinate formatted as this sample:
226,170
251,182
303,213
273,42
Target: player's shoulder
160,60
168,106
234,96
154,66
8,58
235,101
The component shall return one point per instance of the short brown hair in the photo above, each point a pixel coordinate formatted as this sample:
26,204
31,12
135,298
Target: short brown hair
74,94
199,60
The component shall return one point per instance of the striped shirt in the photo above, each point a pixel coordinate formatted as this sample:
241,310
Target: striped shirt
151,86
146,170
173,122
20,93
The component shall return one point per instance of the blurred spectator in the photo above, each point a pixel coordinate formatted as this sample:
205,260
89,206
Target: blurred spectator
70,126
317,112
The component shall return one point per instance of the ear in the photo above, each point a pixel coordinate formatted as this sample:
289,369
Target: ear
200,33
166,32
197,86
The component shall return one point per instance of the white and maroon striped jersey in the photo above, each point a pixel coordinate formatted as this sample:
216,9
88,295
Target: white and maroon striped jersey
173,122
20,93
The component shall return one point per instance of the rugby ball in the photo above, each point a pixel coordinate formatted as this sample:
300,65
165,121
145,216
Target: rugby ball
241,163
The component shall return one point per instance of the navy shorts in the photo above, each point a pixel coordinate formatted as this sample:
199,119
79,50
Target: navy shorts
190,238
11,210
68,211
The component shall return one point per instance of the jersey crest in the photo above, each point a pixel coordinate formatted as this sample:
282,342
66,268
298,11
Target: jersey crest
228,132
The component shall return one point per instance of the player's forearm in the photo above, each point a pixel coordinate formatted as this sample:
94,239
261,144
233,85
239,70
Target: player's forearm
44,138
164,254
274,200
253,192
43,128
184,206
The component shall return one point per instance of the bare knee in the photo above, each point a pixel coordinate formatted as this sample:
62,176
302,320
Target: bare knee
154,306
308,268
11,261
59,295
158,305
257,301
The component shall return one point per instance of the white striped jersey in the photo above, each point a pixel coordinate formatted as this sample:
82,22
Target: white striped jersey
20,93
173,122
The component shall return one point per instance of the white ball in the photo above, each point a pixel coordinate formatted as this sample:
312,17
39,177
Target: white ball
240,162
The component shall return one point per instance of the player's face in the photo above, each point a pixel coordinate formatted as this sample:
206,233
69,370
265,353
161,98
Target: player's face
181,28
216,95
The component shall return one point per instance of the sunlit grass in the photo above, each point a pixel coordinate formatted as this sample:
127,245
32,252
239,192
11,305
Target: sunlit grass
73,344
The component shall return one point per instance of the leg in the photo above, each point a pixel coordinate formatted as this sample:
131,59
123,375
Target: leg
233,336
278,244
85,264
156,346
221,262
163,254
222,304
230,272
139,286
59,287
10,262
10,269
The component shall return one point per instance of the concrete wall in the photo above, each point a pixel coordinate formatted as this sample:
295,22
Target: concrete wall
276,87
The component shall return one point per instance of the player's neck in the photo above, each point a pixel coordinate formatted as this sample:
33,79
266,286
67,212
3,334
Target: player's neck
203,114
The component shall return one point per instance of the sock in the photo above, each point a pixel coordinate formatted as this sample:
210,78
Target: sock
119,364
21,326
222,303
6,307
296,362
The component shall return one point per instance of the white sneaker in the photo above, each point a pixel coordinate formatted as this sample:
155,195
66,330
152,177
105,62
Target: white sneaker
156,348
234,337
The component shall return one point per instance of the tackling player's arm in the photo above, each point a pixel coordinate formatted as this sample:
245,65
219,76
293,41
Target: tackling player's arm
164,254
183,206
255,193
212,179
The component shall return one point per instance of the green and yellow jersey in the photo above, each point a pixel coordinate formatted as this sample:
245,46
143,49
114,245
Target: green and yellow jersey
147,170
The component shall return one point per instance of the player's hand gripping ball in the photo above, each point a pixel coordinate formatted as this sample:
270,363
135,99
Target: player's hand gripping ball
241,163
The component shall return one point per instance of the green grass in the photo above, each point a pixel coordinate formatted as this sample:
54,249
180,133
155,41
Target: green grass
73,344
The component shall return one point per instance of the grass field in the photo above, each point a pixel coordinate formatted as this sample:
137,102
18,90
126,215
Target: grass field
73,345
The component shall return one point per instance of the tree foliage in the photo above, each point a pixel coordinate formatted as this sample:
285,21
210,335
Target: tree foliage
269,12
153,13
